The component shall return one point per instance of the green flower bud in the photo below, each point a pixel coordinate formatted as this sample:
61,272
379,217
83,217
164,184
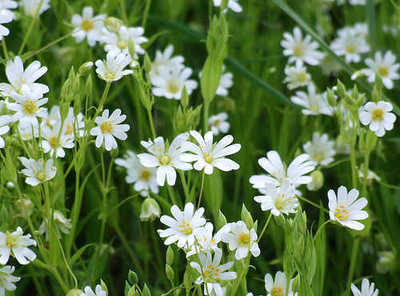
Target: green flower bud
85,68
317,181
220,221
146,291
170,255
74,292
246,217
150,210
113,24
132,278
169,272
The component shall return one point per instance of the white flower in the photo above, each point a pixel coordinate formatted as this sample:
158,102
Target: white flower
170,82
62,223
277,287
219,123
112,69
295,174
73,124
7,280
16,244
143,179
35,8
18,77
3,130
55,141
313,102
119,42
225,83
182,225
366,289
209,155
383,66
37,171
108,128
378,117
301,50
320,149
296,76
5,17
88,26
212,272
7,5
28,129
357,2
232,4
165,60
165,158
280,200
98,292
241,239
350,44
346,208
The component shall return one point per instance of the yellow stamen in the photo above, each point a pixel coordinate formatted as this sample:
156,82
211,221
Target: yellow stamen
87,25
244,239
30,107
106,127
377,114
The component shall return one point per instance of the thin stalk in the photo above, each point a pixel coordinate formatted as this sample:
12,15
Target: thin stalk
185,186
146,13
201,190
32,24
354,254
103,99
265,226
5,51
313,203
172,195
50,44
205,118
153,130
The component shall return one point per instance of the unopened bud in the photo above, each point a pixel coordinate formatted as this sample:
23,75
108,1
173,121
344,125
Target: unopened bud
74,292
150,210
113,24
132,278
170,255
317,181
85,68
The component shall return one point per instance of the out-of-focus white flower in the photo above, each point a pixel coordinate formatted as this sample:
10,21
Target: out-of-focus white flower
16,244
219,123
61,222
112,69
301,50
320,149
296,76
108,128
5,17
35,8
367,289
350,44
278,286
165,60
3,130
37,171
7,280
165,158
346,209
232,4
6,6
225,83
313,102
182,226
98,291
378,116
88,26
357,2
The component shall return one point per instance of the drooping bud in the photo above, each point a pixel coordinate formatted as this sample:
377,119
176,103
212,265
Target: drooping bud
113,24
150,210
74,292
317,181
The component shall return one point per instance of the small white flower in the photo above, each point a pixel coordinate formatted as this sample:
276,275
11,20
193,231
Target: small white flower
350,44
7,280
232,4
212,272
18,77
225,83
366,289
88,26
112,69
219,123
37,171
165,60
346,208
16,244
182,225
108,128
98,292
35,8
384,67
296,76
313,102
62,223
3,130
241,239
7,5
55,141
357,2
143,179
301,50
279,200
378,116
277,287
170,82
320,149
165,158
208,155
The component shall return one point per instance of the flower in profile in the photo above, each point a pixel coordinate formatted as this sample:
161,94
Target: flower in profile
378,116
296,76
182,226
150,210
232,4
208,155
367,289
320,149
97,292
54,141
301,50
346,209
112,69
383,66
278,286
241,239
34,8
166,158
37,171
18,77
219,123
88,26
7,280
59,220
3,130
143,179
313,102
16,244
212,272
108,128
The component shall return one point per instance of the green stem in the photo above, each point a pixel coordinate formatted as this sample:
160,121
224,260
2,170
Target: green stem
103,99
172,195
354,254
28,33
265,226
146,13
313,203
5,51
185,186
153,130
353,162
201,189
50,44
205,118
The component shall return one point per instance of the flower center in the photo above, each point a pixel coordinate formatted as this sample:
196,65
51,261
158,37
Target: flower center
122,44
145,175
54,142
87,25
314,108
318,157
212,274
30,107
383,70
208,158
185,228
277,291
244,239
41,176
299,49
216,122
377,115
10,241
280,203
165,159
69,129
106,127
341,213
351,48
109,76
302,77
173,86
